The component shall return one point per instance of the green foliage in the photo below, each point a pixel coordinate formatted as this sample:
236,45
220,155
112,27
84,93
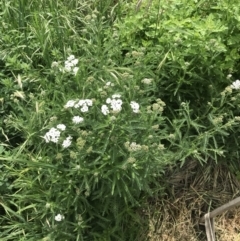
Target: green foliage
189,47
157,80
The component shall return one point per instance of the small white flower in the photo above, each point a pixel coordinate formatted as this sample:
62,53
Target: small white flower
52,135
77,119
88,102
108,101
55,139
47,137
67,68
135,106
54,132
54,64
84,104
84,108
105,110
116,105
74,62
71,57
236,85
76,105
59,218
61,127
48,205
75,70
81,102
67,142
116,96
68,64
118,102
70,103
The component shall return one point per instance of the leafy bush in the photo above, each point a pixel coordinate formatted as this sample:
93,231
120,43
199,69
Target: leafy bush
189,47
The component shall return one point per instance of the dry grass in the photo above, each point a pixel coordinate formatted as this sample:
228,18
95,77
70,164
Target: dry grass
193,191
228,226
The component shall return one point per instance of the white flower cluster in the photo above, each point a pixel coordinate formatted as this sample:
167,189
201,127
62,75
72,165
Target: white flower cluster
77,119
132,147
59,218
70,65
53,135
82,104
135,106
61,127
116,105
236,85
67,142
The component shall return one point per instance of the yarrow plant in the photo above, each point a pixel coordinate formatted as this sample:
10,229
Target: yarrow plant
106,138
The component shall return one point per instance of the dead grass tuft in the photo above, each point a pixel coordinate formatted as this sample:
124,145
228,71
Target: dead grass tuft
193,191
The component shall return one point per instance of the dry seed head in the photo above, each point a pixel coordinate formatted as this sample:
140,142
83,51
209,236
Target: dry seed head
131,160
73,155
89,150
136,54
161,147
145,148
84,133
90,79
217,120
237,118
59,156
147,81
155,127
80,143
228,89
229,123
53,118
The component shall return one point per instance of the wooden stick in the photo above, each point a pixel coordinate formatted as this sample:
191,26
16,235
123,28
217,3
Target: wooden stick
235,202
